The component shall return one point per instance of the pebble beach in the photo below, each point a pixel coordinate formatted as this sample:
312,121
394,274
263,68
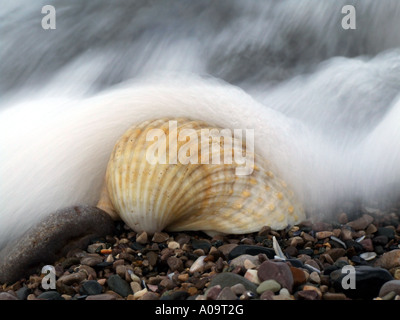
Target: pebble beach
127,265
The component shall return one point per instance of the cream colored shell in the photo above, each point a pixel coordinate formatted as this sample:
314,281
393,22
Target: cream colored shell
177,197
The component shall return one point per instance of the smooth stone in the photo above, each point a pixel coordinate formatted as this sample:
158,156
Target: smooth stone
278,271
159,237
380,240
225,249
198,265
103,296
270,285
299,276
119,285
175,295
22,293
213,292
267,295
308,295
91,287
392,285
226,294
250,250
336,253
252,275
389,260
142,237
228,279
240,260
384,231
368,281
334,296
367,245
361,223
238,289
69,279
50,295
51,239
7,296
91,261
175,264
201,244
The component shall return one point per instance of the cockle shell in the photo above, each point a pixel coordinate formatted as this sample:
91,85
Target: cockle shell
154,195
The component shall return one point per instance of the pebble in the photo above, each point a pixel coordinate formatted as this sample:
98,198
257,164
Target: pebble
173,245
119,285
323,234
225,249
160,237
299,276
267,295
142,237
361,223
91,287
135,286
50,295
278,271
252,276
389,260
238,289
72,278
213,292
22,293
308,295
334,296
270,285
240,261
91,261
175,264
103,296
228,279
198,265
392,285
314,277
250,250
368,281
137,295
7,296
226,294
368,256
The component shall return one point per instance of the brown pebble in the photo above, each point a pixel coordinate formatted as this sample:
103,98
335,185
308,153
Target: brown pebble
160,237
342,218
103,296
152,257
142,238
264,231
323,234
226,248
213,292
150,296
334,296
175,264
361,223
192,291
183,277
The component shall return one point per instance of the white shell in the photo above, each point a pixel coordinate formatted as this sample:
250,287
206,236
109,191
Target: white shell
178,197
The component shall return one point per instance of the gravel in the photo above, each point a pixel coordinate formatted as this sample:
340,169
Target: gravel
124,265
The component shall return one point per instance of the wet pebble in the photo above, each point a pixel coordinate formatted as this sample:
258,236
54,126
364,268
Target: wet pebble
119,285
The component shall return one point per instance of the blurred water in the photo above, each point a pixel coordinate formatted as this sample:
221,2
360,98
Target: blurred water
323,101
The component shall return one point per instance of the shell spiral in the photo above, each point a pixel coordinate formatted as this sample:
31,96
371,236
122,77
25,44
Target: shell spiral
156,180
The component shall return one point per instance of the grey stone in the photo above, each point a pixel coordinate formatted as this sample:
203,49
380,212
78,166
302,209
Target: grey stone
119,285
50,295
226,294
7,296
91,287
52,239
228,279
393,285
